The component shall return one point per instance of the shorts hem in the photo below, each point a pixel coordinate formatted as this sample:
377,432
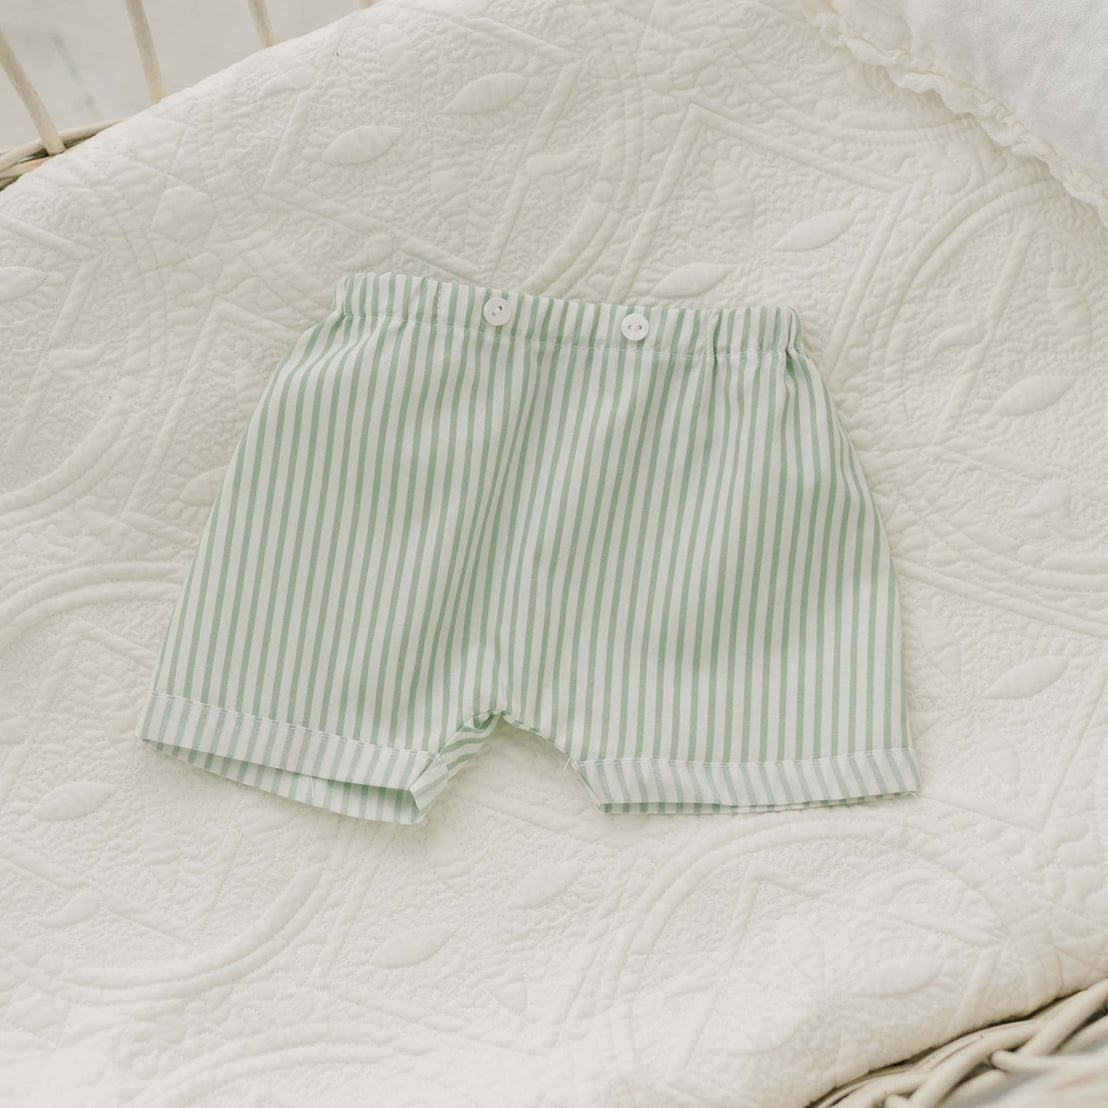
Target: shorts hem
397,785
315,767
660,785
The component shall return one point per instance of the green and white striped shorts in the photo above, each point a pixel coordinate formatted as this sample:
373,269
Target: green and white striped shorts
638,531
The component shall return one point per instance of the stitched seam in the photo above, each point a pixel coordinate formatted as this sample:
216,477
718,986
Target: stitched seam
736,765
434,755
214,708
613,344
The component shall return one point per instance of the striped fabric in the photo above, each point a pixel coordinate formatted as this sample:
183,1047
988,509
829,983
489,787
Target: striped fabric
638,531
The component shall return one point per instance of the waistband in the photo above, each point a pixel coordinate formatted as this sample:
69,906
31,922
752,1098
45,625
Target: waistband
671,330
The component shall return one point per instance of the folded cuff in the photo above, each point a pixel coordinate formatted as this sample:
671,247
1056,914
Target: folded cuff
325,770
647,784
361,779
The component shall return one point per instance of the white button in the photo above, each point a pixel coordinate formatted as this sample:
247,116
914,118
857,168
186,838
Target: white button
497,310
635,326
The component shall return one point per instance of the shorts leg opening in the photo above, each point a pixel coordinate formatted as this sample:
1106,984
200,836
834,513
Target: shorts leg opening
324,770
658,785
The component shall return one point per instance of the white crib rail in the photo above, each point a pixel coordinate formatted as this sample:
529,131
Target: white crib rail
51,141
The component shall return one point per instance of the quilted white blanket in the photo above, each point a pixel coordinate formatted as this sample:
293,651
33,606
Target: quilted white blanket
171,938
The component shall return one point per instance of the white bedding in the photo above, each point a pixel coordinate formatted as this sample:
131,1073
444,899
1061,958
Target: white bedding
171,938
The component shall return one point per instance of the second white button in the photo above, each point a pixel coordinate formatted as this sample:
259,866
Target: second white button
635,326
497,310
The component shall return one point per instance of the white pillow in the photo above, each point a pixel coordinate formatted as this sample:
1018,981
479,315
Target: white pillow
1033,72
